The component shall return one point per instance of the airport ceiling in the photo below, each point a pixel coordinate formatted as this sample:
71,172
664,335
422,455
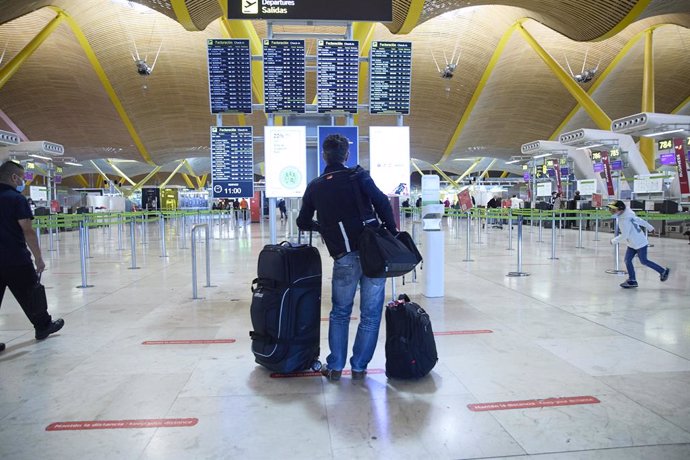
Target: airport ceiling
502,95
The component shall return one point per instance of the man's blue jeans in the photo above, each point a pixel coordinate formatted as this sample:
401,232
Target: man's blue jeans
642,254
347,274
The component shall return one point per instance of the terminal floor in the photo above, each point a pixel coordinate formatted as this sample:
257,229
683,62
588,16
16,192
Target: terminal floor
566,330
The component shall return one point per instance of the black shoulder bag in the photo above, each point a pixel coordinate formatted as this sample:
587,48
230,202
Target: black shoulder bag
383,255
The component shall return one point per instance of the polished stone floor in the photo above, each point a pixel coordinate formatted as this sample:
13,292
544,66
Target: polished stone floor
567,330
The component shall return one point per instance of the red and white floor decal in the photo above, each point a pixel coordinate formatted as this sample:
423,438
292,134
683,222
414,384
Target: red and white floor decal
122,424
478,331
532,403
187,342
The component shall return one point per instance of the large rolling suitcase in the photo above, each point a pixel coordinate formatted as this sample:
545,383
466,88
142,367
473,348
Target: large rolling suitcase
410,345
286,308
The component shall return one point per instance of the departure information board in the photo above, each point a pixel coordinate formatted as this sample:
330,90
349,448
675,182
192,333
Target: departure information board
337,71
232,161
284,76
390,77
229,76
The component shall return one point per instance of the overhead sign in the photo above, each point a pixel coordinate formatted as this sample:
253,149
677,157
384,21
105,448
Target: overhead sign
389,158
337,70
229,76
664,144
232,161
390,77
352,134
284,76
320,10
286,161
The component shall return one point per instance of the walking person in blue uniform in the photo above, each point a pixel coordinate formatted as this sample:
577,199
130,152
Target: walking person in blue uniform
340,220
631,231
17,270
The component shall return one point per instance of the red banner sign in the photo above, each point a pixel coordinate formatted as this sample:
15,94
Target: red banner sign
682,165
597,200
532,403
557,170
607,171
465,200
120,424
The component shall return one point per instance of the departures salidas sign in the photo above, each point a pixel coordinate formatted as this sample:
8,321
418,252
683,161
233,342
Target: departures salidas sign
318,10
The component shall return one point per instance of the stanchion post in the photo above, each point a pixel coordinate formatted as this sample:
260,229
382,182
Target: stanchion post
541,228
553,238
82,254
519,271
119,232
469,237
164,252
579,232
87,236
596,227
133,243
510,230
616,254
479,226
196,227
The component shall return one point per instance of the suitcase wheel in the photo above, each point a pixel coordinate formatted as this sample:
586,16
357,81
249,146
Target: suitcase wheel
316,366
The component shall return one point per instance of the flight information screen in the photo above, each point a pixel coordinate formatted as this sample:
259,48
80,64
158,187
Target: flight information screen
232,161
337,73
284,76
390,77
229,76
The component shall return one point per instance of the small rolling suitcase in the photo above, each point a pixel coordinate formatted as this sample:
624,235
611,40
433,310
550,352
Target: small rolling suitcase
286,308
410,345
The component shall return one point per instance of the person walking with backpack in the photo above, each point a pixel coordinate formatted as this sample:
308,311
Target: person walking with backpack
630,230
342,212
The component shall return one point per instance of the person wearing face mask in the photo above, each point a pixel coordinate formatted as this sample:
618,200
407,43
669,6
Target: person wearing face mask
17,271
630,229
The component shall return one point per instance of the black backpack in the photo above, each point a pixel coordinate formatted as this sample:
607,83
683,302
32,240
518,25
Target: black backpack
410,345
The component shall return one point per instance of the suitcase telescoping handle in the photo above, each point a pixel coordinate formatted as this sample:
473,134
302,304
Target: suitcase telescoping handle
299,237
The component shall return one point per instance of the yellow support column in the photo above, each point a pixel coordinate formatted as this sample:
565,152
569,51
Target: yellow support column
444,175
504,175
478,90
470,169
188,181
593,110
182,14
82,180
172,174
646,143
363,32
413,13
13,66
105,82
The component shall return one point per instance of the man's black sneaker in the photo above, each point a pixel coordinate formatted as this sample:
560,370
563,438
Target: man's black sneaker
359,375
629,284
330,374
52,328
2,346
665,273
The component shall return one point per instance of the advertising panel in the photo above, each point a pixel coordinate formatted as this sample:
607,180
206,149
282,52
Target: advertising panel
389,158
286,161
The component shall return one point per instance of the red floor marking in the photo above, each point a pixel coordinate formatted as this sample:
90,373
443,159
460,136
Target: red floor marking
479,331
187,342
277,375
119,424
353,318
531,403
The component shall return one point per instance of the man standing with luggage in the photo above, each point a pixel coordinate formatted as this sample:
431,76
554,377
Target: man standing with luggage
340,219
16,268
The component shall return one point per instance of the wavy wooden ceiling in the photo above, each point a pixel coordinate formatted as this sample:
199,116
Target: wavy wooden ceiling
57,96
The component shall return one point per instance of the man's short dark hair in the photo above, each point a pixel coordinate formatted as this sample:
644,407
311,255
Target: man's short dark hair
10,167
335,149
